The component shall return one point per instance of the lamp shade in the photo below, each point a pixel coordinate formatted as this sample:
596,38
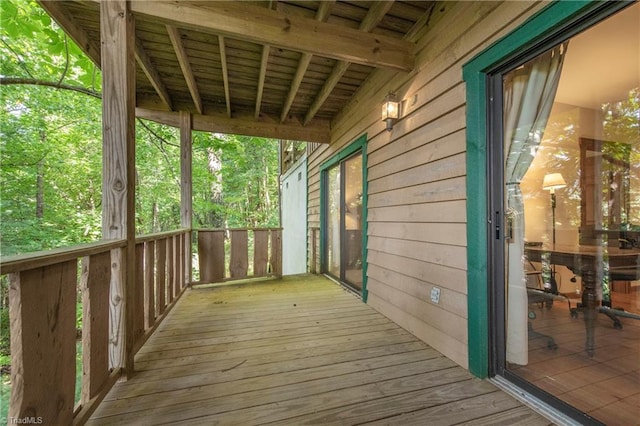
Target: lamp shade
553,181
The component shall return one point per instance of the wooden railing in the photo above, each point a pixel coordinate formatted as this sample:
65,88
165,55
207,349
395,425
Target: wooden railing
43,295
216,267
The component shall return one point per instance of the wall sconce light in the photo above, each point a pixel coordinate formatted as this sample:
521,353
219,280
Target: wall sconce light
390,110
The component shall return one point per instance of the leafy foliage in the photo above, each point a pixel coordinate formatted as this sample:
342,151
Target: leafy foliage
51,147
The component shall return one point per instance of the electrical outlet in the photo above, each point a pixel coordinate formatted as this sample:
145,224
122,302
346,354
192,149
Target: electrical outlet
435,295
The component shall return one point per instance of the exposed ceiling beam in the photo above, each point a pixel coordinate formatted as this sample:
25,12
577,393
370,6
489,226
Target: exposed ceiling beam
265,26
267,128
183,59
330,83
420,24
152,74
56,11
321,15
225,74
263,74
376,13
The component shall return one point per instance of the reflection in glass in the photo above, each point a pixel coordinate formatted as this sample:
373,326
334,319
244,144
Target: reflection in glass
334,212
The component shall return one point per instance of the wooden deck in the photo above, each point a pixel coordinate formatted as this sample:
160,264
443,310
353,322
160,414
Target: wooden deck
300,350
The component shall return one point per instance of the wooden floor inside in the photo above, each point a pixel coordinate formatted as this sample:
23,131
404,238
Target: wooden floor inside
301,350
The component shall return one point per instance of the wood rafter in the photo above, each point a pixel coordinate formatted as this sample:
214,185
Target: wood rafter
183,60
375,15
152,74
321,15
265,26
81,38
261,78
267,128
225,74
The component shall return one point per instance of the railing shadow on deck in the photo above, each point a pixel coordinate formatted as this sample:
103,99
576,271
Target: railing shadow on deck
44,289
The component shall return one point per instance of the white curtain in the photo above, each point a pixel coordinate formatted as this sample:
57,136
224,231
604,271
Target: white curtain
529,92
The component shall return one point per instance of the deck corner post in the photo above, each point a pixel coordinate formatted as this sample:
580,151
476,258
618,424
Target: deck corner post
186,191
117,34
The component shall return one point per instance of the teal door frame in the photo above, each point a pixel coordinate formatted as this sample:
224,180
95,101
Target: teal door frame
359,144
560,18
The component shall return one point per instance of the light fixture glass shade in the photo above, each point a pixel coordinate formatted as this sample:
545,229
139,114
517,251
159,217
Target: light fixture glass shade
390,110
553,181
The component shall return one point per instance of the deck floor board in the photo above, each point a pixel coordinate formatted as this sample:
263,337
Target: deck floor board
301,350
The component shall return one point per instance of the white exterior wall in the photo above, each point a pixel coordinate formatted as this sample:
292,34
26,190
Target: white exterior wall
294,218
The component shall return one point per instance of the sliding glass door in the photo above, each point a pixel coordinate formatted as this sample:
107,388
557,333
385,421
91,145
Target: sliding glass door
344,221
565,198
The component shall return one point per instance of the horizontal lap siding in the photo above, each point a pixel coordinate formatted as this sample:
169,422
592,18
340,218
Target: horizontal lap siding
417,172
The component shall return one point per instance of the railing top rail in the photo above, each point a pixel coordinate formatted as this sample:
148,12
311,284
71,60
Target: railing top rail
160,235
275,228
23,262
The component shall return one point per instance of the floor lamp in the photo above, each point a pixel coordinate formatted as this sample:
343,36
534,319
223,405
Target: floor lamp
551,182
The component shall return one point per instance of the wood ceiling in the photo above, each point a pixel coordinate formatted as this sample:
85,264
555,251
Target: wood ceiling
281,69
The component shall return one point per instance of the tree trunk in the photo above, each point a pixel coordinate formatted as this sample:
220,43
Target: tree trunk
40,182
215,219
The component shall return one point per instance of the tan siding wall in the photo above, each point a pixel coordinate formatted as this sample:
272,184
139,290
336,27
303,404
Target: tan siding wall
417,209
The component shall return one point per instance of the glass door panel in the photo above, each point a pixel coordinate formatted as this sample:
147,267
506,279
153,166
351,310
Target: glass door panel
334,214
344,221
352,259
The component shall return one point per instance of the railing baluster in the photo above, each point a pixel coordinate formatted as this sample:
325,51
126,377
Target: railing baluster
149,283
138,323
161,276
276,252
42,307
96,275
170,269
239,254
211,256
181,263
260,252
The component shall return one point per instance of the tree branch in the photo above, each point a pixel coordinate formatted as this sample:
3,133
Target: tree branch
36,82
18,57
66,62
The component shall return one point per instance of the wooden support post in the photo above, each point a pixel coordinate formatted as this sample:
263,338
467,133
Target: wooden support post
42,306
117,33
186,192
